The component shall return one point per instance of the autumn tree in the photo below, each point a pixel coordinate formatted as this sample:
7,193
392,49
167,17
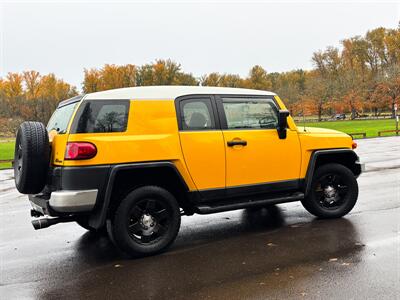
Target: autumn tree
91,81
291,87
30,96
358,77
224,80
323,85
32,82
258,79
164,72
361,76
317,93
113,77
161,72
352,100
389,93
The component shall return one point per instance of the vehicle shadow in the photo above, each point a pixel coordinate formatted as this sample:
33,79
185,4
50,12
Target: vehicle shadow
206,254
97,248
218,228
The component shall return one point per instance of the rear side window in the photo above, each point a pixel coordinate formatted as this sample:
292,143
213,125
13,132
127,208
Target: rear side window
197,114
101,116
60,119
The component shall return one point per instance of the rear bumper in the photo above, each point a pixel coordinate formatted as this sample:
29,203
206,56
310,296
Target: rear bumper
73,201
362,166
359,168
71,190
64,201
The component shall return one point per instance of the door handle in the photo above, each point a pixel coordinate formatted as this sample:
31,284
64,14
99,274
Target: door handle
237,142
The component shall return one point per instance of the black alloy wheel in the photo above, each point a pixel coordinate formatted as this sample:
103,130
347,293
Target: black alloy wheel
149,220
331,190
146,222
333,193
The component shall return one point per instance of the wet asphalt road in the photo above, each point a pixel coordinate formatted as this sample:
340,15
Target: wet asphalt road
280,252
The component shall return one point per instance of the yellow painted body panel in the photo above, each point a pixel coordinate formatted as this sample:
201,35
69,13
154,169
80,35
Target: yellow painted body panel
317,139
265,158
151,135
58,145
202,157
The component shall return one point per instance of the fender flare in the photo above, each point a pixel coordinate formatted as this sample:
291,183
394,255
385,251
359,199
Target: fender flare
98,219
317,154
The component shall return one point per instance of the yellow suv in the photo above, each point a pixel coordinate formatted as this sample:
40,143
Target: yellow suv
134,160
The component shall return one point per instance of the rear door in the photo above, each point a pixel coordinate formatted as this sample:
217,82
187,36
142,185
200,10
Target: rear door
202,141
256,159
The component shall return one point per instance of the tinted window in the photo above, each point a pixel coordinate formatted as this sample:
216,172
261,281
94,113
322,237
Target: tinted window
60,119
197,115
101,116
250,113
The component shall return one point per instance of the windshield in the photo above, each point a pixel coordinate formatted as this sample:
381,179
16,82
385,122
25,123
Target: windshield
60,118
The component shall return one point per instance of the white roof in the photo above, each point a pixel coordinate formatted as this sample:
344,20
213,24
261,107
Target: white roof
169,92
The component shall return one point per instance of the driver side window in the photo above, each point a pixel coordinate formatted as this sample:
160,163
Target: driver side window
250,113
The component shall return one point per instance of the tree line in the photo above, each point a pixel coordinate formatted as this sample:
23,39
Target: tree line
30,96
361,77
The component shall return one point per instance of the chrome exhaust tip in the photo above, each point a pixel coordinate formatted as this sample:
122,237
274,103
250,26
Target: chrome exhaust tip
47,222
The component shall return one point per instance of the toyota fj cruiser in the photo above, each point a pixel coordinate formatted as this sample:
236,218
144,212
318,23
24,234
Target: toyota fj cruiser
134,160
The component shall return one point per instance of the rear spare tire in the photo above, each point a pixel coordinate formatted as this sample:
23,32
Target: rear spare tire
31,157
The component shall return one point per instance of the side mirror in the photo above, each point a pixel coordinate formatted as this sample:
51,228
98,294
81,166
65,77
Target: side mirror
282,123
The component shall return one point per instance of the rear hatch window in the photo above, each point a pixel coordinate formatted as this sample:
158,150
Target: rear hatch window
60,119
101,116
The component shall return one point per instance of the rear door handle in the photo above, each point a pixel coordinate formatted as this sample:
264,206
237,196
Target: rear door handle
237,142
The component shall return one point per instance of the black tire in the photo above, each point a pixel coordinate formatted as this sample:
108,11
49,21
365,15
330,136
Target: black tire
333,192
84,223
146,222
31,157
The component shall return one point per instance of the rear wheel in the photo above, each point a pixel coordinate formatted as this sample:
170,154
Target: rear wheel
333,193
146,222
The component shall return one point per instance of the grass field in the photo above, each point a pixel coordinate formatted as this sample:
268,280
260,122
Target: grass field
6,153
370,127
5,165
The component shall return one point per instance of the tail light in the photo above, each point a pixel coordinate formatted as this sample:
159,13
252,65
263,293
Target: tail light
354,145
80,150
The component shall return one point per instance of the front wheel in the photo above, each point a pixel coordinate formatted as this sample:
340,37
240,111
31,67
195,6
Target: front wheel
333,192
146,222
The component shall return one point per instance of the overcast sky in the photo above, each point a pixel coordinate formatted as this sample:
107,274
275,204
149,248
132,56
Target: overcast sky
204,36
